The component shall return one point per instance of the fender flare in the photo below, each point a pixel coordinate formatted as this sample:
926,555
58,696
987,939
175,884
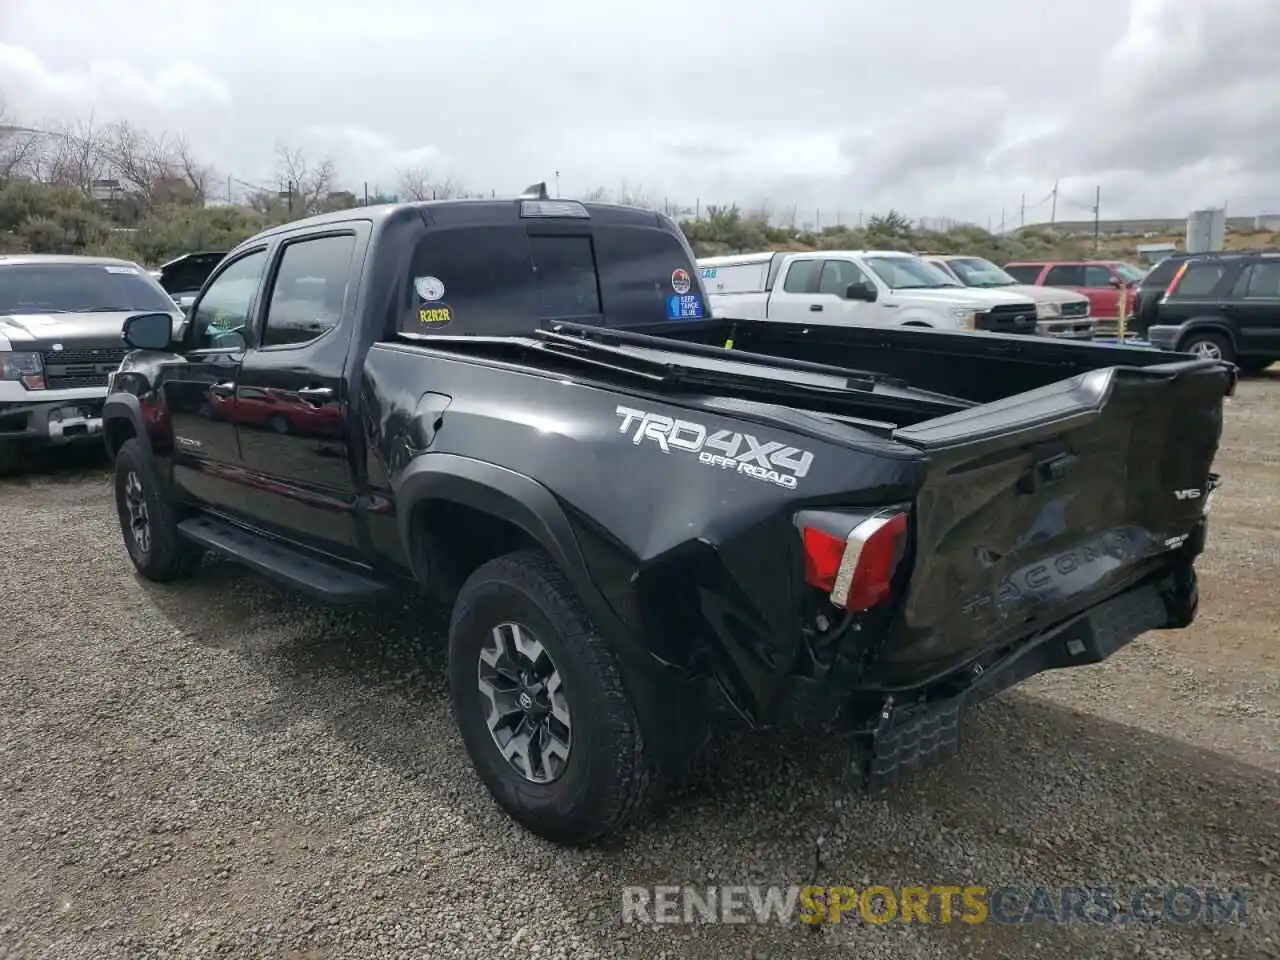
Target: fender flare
123,406
515,498
1206,325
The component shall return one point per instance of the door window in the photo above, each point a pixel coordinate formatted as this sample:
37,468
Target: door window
221,318
800,276
309,290
1097,277
1200,280
1024,272
1065,275
565,272
1263,281
837,275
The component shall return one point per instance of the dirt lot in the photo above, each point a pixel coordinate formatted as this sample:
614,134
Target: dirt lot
218,769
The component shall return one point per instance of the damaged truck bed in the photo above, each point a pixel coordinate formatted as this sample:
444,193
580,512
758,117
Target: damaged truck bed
638,512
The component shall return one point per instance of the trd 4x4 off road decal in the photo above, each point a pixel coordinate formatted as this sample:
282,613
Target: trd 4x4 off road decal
741,452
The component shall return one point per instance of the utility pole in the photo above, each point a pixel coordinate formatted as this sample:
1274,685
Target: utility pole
557,184
228,188
1002,219
1053,208
1022,216
366,193
1097,206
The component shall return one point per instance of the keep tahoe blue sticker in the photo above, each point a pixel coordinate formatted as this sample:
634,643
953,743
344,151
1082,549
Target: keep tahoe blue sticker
685,307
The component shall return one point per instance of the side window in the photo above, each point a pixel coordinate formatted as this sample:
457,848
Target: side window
837,275
1065,275
1200,280
800,276
221,318
564,269
1264,281
1097,277
309,290
470,280
1024,272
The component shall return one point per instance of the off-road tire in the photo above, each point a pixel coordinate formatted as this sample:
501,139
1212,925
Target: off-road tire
168,557
607,777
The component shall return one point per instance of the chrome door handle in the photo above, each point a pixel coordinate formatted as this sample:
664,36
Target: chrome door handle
223,389
316,394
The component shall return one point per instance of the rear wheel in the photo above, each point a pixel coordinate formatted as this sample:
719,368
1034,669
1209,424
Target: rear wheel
147,520
1209,346
539,701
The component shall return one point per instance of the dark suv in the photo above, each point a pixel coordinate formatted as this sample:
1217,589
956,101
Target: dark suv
1222,305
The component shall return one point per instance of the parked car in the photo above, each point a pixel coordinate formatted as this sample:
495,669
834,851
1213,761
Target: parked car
1146,305
60,324
183,276
882,287
536,421
1223,306
1099,280
1059,313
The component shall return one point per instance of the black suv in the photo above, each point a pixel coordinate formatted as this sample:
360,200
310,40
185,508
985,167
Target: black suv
1221,305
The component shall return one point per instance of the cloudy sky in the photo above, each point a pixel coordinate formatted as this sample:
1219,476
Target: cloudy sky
935,108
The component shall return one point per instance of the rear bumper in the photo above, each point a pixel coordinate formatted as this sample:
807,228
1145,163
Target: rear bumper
912,737
1164,336
52,422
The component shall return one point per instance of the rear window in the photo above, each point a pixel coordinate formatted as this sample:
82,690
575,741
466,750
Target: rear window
1024,272
1161,274
79,288
496,280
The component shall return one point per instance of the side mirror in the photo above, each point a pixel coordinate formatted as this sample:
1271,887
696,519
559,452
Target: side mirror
860,291
149,331
1116,282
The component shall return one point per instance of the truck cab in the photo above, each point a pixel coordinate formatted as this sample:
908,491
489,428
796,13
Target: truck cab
876,287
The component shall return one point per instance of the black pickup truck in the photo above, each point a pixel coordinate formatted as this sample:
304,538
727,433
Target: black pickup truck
641,514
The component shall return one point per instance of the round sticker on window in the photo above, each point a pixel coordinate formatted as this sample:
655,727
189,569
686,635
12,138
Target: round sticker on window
680,282
429,288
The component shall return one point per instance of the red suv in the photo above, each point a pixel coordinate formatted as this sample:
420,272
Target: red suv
1099,280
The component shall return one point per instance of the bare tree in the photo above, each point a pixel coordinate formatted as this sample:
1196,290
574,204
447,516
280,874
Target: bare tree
596,195
307,182
19,145
636,196
195,174
75,156
420,183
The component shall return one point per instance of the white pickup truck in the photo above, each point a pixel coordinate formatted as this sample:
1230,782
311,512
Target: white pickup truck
860,287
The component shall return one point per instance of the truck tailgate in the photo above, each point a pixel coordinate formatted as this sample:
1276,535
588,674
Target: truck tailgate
1041,505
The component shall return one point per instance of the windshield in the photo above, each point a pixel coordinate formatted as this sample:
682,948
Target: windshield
1130,272
79,288
909,273
977,272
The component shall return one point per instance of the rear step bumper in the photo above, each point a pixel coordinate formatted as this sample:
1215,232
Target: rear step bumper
912,738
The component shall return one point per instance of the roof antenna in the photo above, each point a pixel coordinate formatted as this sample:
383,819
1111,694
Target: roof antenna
535,191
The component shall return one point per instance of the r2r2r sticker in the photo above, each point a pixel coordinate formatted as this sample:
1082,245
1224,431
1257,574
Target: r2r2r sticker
680,281
440,316
429,288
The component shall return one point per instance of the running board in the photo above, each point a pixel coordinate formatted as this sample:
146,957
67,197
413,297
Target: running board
288,565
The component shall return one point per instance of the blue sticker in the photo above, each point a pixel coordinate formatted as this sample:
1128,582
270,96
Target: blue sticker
709,273
685,307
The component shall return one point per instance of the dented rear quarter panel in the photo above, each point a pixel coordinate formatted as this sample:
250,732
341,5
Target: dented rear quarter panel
697,557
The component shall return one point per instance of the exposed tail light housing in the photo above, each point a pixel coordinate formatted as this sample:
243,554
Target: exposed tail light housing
852,558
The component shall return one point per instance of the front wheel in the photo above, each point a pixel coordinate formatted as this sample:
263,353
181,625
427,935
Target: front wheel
147,521
1252,366
540,704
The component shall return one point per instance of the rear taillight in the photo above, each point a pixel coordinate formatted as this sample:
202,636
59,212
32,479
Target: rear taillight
852,558
1173,284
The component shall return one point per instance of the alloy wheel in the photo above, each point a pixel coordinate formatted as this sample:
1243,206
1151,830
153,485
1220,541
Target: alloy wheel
1206,349
139,519
528,716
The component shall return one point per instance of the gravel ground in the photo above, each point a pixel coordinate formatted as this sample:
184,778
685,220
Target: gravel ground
219,769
